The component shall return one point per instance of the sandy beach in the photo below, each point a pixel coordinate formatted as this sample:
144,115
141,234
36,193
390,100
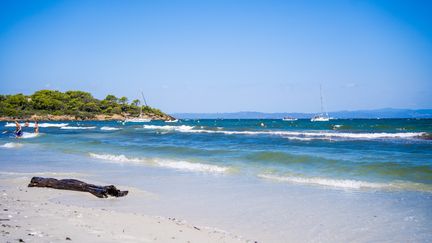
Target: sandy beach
39,215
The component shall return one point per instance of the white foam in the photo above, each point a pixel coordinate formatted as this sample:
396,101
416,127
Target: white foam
199,167
29,135
349,184
31,124
353,184
299,138
173,164
117,158
11,145
182,128
110,128
76,128
292,134
42,173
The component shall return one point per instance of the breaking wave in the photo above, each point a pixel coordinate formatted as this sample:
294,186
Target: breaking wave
110,128
349,184
29,135
11,145
296,135
31,124
173,164
76,128
182,128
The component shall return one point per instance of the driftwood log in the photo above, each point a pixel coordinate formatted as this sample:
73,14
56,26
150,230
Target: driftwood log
76,185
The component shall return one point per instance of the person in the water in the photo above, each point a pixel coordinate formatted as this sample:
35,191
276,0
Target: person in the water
18,130
36,127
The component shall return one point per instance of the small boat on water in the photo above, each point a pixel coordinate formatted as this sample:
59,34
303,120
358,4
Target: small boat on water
141,117
323,116
287,118
320,117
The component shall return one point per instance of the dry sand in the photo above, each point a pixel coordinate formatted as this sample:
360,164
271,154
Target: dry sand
36,215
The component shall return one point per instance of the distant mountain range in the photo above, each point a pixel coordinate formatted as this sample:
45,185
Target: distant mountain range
378,113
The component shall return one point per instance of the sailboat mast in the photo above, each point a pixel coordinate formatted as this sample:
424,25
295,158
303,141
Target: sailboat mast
145,102
322,107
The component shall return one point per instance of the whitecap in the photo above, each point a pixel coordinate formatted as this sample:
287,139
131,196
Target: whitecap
199,167
11,145
173,164
299,138
182,128
76,128
299,134
110,128
31,124
29,135
116,158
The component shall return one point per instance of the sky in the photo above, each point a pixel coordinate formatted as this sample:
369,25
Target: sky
223,56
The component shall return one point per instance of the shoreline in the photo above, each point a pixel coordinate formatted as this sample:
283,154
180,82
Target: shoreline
39,214
98,117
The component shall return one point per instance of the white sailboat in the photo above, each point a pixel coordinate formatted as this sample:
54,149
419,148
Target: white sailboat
323,116
287,118
140,118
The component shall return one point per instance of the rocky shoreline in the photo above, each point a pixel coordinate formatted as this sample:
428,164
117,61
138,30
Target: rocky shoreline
100,117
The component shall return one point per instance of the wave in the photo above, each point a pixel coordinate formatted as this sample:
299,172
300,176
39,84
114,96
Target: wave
297,135
29,135
31,124
76,128
349,184
110,128
184,165
173,164
182,128
116,158
11,145
41,173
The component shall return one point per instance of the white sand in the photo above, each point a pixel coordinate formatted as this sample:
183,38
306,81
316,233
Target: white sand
36,215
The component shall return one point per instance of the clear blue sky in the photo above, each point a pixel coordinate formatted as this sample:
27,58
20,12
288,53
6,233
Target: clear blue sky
223,56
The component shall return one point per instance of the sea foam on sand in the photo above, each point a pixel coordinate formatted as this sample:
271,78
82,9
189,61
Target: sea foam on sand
349,184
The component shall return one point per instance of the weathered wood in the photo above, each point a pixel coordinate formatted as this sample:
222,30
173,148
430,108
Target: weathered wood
76,185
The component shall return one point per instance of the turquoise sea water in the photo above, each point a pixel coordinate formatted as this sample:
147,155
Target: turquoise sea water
384,162
391,154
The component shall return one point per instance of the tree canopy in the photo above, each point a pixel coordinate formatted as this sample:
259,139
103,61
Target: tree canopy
75,103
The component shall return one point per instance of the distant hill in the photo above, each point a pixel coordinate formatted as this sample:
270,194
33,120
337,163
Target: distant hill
378,113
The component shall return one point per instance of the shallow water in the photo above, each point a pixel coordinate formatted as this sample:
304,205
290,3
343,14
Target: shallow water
268,180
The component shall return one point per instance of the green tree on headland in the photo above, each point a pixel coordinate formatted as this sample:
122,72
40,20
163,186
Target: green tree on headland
73,103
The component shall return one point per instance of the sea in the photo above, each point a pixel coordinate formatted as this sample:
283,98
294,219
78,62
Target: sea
362,180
